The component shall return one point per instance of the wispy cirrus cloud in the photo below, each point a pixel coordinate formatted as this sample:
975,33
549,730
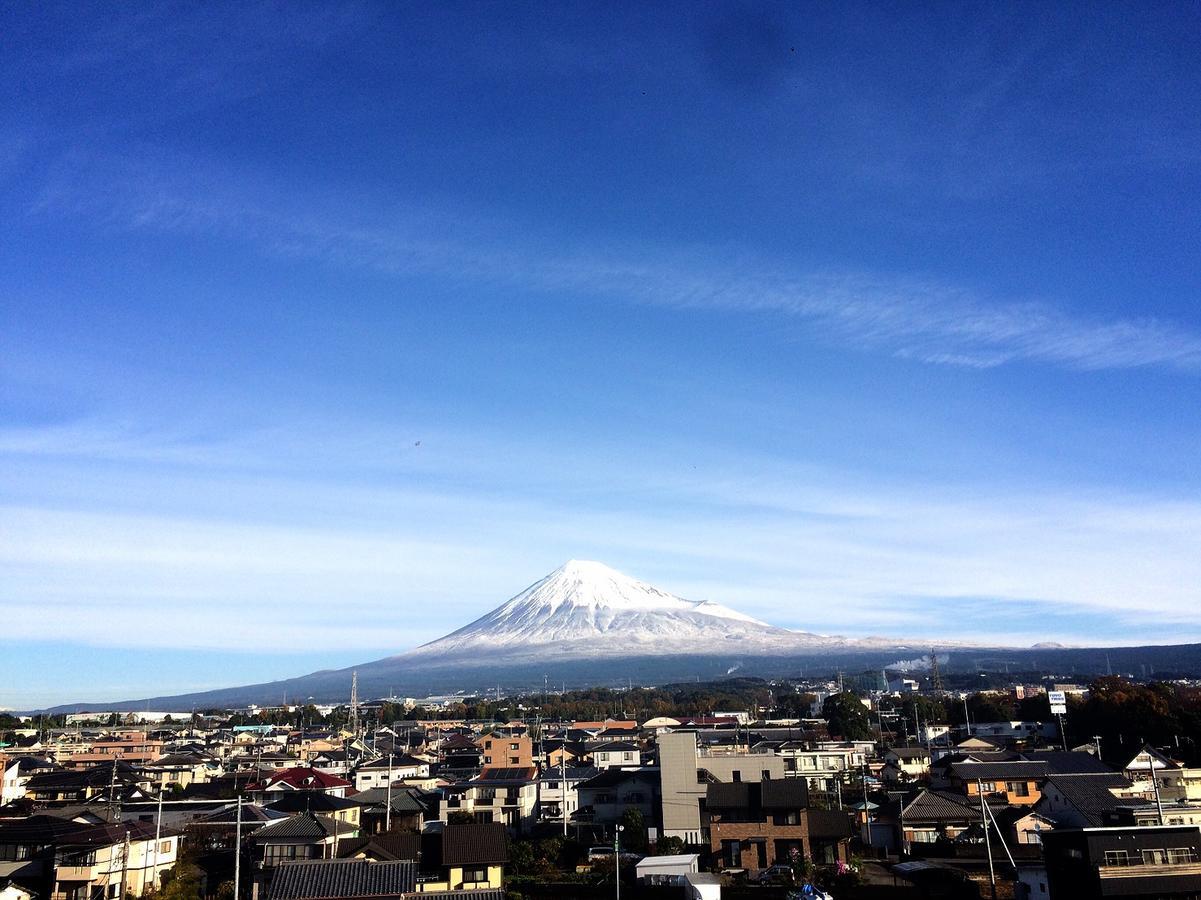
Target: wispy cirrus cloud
900,314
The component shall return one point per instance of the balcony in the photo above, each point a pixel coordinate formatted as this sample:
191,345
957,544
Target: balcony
75,873
1150,870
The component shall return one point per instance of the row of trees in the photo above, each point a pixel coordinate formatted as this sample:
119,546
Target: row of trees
1121,714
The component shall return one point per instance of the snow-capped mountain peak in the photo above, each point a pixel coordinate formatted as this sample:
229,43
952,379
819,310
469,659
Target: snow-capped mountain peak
586,608
584,584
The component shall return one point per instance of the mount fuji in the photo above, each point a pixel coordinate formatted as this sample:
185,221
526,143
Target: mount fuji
584,623
587,610
587,624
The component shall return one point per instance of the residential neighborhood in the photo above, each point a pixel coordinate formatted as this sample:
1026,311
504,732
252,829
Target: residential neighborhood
830,790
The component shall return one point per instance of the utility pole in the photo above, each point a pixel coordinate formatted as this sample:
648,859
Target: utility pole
124,862
158,833
563,780
238,854
967,719
992,875
1155,785
388,811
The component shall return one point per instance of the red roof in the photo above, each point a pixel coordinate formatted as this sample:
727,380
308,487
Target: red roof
301,778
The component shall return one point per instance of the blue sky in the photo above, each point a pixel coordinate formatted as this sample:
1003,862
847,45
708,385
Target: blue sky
325,330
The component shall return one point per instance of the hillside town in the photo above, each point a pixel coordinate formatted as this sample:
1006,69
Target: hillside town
885,785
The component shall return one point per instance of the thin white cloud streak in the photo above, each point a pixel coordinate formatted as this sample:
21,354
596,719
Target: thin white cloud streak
302,557
902,315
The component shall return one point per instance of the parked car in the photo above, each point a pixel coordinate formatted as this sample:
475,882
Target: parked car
776,875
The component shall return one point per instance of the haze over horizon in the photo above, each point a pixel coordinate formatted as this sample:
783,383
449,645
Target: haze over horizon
325,331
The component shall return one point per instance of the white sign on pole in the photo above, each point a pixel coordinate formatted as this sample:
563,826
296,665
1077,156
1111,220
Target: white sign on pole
1058,701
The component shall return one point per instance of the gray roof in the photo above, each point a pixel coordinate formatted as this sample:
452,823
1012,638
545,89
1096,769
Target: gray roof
479,843
909,752
777,793
941,806
303,826
999,771
404,800
1090,795
332,879
1072,762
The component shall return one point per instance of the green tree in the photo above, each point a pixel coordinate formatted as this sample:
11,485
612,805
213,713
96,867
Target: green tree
669,846
181,882
847,717
633,837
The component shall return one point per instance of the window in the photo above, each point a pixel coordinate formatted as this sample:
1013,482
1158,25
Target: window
988,787
1178,855
164,847
1018,788
627,755
736,775
476,874
1117,858
514,746
1155,857
765,774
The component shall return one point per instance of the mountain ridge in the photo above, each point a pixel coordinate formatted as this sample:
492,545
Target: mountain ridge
586,623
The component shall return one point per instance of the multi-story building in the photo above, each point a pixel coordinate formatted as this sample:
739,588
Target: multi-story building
505,795
559,788
74,861
1155,861
502,751
753,825
686,771
395,767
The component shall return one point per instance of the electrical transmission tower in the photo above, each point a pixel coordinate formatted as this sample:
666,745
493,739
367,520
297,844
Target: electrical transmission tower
935,676
354,704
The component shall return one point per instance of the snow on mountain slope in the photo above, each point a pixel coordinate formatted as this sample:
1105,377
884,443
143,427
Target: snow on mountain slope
588,609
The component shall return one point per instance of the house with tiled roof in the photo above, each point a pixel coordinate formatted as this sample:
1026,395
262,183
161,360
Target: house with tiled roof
932,815
905,764
66,859
1085,801
616,753
343,809
756,824
604,798
15,772
1017,782
297,778
558,791
394,766
507,795
411,808
343,879
182,769
460,857
299,837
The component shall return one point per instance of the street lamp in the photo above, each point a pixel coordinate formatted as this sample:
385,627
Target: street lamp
617,859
